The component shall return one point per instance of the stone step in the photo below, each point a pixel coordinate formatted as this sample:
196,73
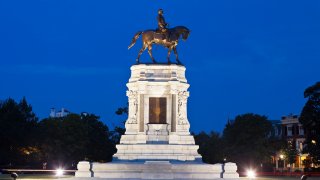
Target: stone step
157,146
157,151
158,170
164,152
179,157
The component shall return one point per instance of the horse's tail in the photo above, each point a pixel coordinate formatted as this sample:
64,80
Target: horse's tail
134,39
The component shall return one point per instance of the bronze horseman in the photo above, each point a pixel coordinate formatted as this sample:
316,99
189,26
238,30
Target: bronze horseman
162,25
166,37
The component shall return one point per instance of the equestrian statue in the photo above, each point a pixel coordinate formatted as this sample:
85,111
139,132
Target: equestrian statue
167,37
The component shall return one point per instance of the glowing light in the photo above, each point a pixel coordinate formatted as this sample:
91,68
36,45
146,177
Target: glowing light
313,141
59,172
281,156
251,174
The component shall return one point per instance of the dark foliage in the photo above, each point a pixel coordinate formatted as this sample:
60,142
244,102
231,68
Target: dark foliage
210,147
247,140
310,119
17,133
26,142
119,130
290,152
73,138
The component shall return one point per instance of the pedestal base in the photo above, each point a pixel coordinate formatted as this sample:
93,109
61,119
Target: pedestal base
160,170
186,152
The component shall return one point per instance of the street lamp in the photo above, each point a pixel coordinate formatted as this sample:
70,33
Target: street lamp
281,156
251,174
59,172
282,160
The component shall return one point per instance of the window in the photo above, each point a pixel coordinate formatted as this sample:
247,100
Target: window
285,131
289,131
301,132
293,128
300,145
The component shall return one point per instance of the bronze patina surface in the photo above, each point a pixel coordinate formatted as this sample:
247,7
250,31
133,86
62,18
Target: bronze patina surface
157,110
163,36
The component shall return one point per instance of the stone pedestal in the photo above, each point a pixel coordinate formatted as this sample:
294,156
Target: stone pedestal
229,171
157,143
84,169
157,125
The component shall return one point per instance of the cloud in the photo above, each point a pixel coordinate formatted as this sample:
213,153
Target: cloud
57,70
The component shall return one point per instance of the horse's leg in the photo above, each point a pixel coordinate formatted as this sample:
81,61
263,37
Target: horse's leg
150,53
176,53
169,52
140,52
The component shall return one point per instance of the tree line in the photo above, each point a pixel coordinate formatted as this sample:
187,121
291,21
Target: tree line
26,141
29,143
249,139
246,140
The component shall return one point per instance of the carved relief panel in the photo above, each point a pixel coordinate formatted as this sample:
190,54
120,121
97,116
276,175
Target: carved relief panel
157,110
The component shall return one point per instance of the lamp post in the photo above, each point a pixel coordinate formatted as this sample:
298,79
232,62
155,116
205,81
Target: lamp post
282,160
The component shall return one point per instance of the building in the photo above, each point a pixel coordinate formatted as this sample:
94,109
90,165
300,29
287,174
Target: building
276,129
294,133
56,114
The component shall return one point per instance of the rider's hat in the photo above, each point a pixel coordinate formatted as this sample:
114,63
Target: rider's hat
160,11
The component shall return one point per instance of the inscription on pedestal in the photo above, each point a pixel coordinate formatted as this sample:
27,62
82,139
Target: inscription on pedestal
157,110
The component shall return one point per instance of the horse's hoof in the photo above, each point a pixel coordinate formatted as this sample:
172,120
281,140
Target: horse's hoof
179,62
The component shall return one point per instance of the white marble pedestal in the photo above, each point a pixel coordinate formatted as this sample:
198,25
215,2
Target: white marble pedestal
160,170
157,143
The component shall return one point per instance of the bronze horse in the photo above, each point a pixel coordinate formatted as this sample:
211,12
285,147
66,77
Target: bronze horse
150,37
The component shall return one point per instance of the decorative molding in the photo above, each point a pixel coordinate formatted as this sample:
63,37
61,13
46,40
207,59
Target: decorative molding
133,106
182,107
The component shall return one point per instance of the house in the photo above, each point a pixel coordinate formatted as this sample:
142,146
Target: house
294,133
56,114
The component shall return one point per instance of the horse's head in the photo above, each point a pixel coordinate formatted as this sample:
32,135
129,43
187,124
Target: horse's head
185,35
182,32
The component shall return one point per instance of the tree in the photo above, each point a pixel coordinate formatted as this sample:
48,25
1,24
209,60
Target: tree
18,126
210,147
73,138
247,140
310,119
119,130
290,153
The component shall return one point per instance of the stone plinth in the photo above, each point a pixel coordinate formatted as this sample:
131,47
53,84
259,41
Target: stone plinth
157,125
157,170
84,169
230,170
157,143
157,152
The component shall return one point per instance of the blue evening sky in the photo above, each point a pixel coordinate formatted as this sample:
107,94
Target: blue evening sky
242,56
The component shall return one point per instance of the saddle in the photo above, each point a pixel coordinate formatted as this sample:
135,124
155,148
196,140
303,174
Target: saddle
164,33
